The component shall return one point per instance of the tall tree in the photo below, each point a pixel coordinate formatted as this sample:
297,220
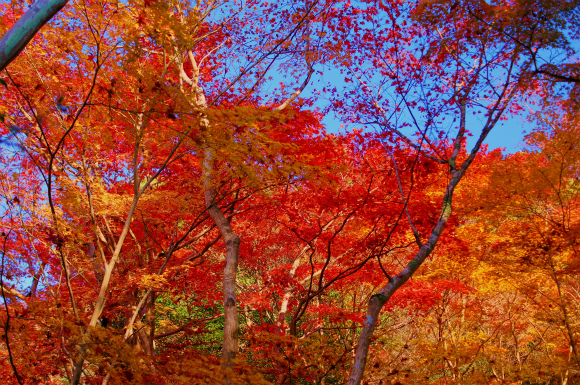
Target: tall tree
142,66
151,151
418,72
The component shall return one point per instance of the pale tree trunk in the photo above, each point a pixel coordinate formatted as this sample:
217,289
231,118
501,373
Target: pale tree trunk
281,325
101,298
109,266
14,41
231,239
281,319
377,301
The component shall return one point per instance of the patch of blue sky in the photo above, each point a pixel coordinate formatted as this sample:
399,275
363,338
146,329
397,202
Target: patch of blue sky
508,135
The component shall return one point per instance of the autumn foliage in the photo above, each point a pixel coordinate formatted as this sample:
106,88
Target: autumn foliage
172,209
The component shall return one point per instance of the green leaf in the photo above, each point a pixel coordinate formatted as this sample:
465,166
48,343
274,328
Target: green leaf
3,83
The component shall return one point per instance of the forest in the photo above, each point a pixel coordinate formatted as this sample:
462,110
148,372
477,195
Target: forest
175,210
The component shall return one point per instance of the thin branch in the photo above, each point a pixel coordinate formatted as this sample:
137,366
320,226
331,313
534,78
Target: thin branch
7,323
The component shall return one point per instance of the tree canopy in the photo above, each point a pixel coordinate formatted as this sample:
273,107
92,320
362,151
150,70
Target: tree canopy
174,211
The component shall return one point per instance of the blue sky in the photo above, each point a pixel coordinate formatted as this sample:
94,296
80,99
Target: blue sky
508,135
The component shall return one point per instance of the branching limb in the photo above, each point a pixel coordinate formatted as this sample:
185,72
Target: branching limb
7,323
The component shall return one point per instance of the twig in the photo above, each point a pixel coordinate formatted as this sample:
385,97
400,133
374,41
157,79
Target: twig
7,323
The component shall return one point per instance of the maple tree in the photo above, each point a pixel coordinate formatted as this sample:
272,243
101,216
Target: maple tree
173,76
532,233
150,151
407,77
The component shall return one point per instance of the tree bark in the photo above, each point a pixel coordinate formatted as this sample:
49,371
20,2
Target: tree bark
14,41
457,173
377,301
232,241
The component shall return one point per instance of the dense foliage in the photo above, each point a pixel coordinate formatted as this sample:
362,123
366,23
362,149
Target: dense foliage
173,211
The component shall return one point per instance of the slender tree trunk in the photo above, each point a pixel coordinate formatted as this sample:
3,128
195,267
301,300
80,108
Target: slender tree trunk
564,311
14,41
36,280
377,301
232,241
281,319
457,172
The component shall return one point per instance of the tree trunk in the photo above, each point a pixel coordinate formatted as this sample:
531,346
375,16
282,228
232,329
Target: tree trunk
232,241
377,301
